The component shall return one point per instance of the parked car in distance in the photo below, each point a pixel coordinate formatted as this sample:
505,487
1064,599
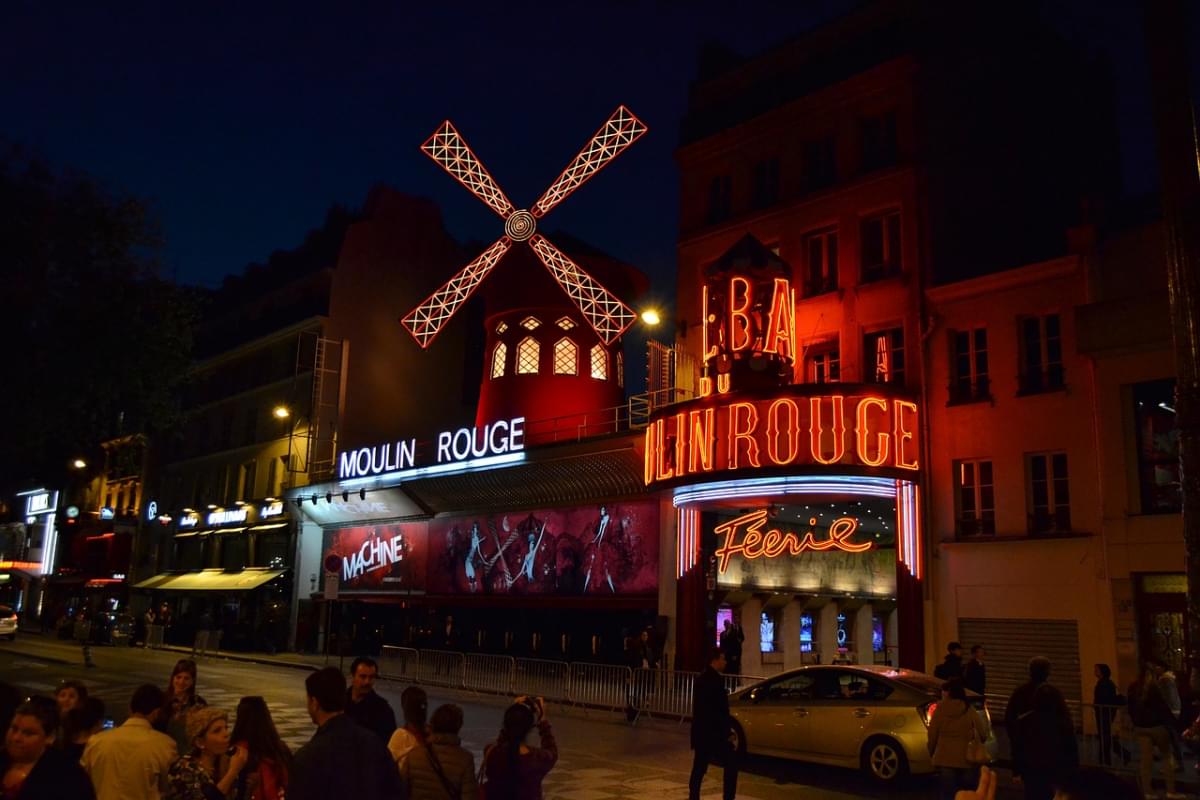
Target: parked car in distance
8,622
873,718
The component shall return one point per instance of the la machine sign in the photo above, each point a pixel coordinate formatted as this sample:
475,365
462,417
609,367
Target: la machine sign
493,439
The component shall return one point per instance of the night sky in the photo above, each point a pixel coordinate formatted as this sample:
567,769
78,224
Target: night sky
244,122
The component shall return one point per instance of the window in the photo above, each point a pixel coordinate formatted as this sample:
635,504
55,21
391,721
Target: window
767,627
720,198
498,356
273,473
820,163
969,366
975,499
566,323
599,363
271,550
566,357
531,323
221,487
501,328
1049,494
249,479
766,183
820,250
883,356
1157,447
877,136
620,369
843,633
824,363
235,550
807,633
878,636
527,356
793,690
881,246
1041,354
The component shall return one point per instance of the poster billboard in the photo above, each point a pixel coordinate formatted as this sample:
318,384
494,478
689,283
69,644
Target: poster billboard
378,558
595,550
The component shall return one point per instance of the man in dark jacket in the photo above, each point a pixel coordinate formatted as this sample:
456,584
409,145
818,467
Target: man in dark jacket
975,672
731,643
1041,732
952,666
366,707
343,758
711,725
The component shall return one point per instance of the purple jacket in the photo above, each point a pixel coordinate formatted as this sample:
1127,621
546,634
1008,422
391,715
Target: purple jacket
531,767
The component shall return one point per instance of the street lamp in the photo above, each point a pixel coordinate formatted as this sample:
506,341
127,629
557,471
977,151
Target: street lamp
79,463
651,317
281,412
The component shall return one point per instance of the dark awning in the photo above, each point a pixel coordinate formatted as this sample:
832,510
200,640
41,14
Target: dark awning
210,580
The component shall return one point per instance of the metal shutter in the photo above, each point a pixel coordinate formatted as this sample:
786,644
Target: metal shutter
1008,646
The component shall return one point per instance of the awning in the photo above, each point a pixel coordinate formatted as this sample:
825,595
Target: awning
211,580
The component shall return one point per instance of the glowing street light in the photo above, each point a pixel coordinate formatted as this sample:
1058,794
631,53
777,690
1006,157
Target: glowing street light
79,463
281,412
651,317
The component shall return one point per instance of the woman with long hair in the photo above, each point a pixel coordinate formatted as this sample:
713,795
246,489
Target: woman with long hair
206,771
69,695
955,722
79,725
270,761
30,769
513,768
181,698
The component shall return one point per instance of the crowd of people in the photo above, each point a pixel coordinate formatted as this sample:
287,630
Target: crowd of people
175,746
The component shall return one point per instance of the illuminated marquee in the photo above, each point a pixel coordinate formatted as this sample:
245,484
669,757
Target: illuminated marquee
755,543
494,438
861,430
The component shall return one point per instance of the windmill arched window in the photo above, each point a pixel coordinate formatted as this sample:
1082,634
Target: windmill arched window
498,356
566,357
599,363
527,356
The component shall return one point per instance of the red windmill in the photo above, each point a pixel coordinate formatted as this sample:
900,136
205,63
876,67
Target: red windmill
607,315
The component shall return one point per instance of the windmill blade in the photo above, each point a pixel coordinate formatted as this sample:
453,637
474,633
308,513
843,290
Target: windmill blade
621,130
449,149
427,320
607,315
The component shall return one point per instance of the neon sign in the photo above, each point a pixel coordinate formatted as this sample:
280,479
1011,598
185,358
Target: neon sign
273,509
227,515
747,319
374,554
703,438
492,439
756,543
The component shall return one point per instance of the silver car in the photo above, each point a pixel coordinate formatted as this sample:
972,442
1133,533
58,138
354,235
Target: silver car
872,718
8,622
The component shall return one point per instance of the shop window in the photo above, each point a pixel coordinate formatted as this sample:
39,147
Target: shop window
768,628
1049,504
765,190
878,637
235,550
531,323
249,479
821,254
527,356
189,553
880,246
969,366
808,630
620,370
566,323
724,614
1158,447
566,357
599,363
843,632
720,199
823,363
883,356
877,137
501,327
820,163
498,356
271,550
976,498
1041,354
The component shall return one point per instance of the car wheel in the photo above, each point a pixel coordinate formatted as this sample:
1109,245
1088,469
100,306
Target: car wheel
738,738
884,760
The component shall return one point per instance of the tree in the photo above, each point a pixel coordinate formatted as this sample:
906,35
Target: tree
98,343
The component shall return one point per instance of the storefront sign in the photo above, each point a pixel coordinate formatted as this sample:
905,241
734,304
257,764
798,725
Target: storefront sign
744,536
495,438
269,510
152,509
106,512
225,516
189,520
747,318
596,550
704,438
38,503
383,558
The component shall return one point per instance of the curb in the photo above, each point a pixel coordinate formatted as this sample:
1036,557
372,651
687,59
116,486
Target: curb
244,658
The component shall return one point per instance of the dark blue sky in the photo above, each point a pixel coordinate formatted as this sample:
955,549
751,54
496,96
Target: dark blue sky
243,122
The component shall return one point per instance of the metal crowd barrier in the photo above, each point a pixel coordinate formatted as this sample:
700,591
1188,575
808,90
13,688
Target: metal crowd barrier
440,668
398,663
154,635
546,679
599,686
488,673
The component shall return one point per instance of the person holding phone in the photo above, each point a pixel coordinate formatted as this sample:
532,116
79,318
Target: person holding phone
210,770
514,768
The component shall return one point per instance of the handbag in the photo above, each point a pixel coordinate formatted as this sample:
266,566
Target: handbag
977,752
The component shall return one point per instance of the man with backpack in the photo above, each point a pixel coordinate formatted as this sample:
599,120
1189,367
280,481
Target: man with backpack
1041,733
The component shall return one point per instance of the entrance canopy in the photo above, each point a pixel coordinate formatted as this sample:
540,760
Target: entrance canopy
210,580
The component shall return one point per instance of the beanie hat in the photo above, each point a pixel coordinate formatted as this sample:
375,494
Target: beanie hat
199,718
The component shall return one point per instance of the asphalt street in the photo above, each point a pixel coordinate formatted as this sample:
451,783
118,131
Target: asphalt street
601,756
